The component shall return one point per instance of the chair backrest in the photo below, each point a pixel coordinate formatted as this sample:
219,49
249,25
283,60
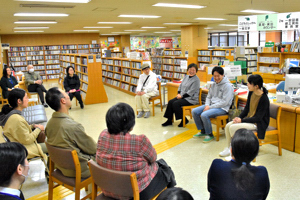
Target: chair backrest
274,110
116,182
64,158
159,88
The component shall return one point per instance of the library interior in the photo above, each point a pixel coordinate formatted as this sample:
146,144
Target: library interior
110,45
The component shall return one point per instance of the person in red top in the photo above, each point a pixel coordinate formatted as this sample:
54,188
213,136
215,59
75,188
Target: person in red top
119,150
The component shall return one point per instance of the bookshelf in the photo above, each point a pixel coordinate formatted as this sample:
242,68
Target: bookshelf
172,52
156,64
251,55
95,49
222,54
89,72
204,57
121,73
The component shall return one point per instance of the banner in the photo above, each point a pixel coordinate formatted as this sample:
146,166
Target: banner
165,41
247,23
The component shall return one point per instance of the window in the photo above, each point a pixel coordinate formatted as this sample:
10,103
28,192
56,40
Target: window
215,39
223,40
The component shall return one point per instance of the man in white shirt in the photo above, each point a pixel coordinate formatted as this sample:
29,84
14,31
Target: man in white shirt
146,88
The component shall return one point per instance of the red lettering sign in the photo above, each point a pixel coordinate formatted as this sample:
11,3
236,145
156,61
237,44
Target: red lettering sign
165,41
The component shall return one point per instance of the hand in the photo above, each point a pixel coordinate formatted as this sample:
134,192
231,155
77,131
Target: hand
138,93
8,89
178,96
237,120
40,127
206,108
142,93
38,82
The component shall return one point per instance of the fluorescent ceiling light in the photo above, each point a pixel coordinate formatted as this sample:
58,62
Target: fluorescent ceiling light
177,23
173,5
114,23
35,22
60,1
203,18
258,11
140,16
31,27
135,30
86,30
228,25
208,28
175,30
162,32
110,34
97,27
121,32
153,27
28,31
41,14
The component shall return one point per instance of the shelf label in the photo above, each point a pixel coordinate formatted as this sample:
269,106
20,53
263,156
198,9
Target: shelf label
91,59
98,59
183,64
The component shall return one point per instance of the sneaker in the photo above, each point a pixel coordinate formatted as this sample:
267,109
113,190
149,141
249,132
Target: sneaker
140,114
208,139
45,105
167,123
225,152
228,158
198,135
147,114
81,105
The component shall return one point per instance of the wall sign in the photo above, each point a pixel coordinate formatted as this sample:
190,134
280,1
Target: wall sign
165,41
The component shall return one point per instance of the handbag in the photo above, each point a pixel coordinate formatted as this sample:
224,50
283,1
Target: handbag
41,137
167,171
233,113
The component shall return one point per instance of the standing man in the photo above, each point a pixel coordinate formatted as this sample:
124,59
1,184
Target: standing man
33,82
62,131
146,88
218,102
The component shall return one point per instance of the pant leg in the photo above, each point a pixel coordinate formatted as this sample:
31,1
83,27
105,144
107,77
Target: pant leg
234,127
227,133
138,101
211,113
145,100
196,112
71,95
42,88
78,97
169,110
41,94
177,107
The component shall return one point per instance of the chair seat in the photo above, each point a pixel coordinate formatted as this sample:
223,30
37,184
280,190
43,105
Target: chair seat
67,180
271,128
154,97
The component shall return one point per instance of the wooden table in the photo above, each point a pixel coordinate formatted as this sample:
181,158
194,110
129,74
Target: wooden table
289,119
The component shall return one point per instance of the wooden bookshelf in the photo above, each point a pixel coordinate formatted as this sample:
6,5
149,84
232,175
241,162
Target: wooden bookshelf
89,71
121,73
251,55
204,57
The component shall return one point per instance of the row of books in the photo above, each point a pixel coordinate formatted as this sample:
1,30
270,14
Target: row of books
168,61
34,53
83,51
179,75
109,62
85,78
168,67
136,65
84,86
126,78
52,52
117,69
52,57
206,59
17,54
179,69
35,62
52,66
117,76
35,57
204,53
116,83
52,61
83,46
53,71
156,60
69,47
251,57
136,72
269,59
134,80
15,59
178,61
18,63
118,62
268,69
252,63
126,64
167,74
52,47
218,53
38,67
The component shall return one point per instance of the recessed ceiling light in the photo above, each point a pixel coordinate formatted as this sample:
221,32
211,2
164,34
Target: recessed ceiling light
208,28
31,27
135,30
97,27
86,30
28,31
175,30
153,27
201,18
121,32
41,14
258,11
140,16
60,1
173,5
162,32
110,34
177,23
114,23
228,25
35,22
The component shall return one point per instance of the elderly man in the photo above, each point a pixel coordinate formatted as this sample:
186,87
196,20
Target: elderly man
146,88
33,82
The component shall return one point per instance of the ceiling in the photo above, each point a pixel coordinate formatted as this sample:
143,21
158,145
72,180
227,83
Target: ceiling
88,14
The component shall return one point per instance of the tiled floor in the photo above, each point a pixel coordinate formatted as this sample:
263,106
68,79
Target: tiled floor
190,160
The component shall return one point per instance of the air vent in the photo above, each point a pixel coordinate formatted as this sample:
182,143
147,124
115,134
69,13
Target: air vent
236,14
44,6
98,9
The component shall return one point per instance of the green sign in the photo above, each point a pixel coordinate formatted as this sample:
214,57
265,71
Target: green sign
269,44
267,22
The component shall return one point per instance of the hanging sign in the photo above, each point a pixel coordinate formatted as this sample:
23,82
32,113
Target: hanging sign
247,23
288,21
267,22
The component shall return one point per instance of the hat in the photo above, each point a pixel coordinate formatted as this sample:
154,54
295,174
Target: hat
145,65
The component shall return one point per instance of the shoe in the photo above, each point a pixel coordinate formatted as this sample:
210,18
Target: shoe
198,135
147,114
140,114
181,123
208,139
81,106
45,105
167,123
225,152
228,158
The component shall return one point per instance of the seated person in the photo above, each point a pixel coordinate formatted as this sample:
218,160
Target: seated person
255,116
72,85
146,88
119,150
62,131
14,169
8,82
188,94
218,102
175,193
34,83
237,179
16,128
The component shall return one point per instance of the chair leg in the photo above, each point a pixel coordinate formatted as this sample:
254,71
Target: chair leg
50,192
153,108
161,106
279,145
183,117
218,130
77,193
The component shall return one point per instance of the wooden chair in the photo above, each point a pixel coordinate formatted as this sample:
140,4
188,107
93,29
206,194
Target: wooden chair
23,86
221,121
3,101
187,110
152,99
116,182
67,159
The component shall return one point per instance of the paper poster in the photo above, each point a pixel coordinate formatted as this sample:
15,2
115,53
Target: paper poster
235,70
267,22
90,59
98,59
288,21
227,73
183,64
209,70
176,42
247,23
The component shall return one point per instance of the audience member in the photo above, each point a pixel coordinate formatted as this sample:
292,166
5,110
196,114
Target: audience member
218,102
188,94
237,179
255,116
62,131
119,150
146,88
8,82
175,193
14,169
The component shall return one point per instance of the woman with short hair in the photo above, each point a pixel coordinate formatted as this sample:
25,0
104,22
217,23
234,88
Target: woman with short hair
237,179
